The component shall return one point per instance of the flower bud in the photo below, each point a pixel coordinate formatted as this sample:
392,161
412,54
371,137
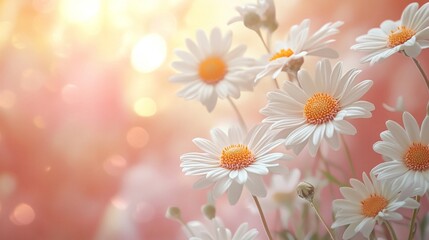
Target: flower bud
305,190
173,213
270,21
209,211
252,21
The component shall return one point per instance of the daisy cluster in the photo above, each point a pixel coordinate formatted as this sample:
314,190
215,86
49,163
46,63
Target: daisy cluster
303,113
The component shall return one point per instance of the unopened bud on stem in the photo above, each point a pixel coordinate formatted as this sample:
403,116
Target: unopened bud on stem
209,211
173,213
305,190
252,21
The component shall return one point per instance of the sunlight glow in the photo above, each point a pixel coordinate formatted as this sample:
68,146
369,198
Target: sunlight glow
149,53
145,107
80,11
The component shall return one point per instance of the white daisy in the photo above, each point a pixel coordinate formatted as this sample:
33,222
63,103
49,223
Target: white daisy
410,34
233,160
211,70
406,152
217,231
255,16
318,110
298,44
367,203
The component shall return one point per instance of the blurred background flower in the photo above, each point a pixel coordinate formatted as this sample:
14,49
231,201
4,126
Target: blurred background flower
91,129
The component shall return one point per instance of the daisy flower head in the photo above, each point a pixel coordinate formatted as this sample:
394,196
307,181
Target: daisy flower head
233,160
299,43
410,35
366,203
255,16
211,70
217,231
406,154
319,109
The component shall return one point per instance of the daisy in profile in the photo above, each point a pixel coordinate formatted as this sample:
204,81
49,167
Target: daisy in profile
406,154
409,35
255,16
289,55
211,70
217,231
368,202
319,109
233,160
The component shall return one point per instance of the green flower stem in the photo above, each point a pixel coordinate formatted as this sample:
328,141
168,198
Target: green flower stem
413,221
321,219
390,229
276,83
187,227
263,41
261,213
267,48
422,72
349,157
372,235
240,118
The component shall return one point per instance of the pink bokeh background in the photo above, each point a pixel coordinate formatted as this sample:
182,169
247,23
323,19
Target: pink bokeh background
91,130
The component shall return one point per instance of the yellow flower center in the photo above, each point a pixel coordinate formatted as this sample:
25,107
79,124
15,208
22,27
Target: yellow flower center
371,206
236,157
400,36
282,53
321,108
212,69
417,157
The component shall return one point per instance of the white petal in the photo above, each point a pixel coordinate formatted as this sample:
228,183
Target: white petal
424,131
202,183
344,127
411,126
207,146
242,176
256,186
234,192
300,134
399,133
413,50
221,186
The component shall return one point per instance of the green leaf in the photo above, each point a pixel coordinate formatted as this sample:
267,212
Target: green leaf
286,235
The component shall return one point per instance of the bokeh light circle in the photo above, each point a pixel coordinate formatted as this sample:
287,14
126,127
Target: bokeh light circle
149,53
137,137
145,107
23,214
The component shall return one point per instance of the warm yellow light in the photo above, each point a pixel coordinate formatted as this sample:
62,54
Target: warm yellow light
149,53
145,107
80,11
